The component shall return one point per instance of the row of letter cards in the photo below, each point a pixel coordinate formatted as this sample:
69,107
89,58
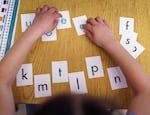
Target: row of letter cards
60,74
64,22
129,37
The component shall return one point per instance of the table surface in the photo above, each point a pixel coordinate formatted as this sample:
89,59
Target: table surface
75,48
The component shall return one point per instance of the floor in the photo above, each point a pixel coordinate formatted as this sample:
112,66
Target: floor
22,111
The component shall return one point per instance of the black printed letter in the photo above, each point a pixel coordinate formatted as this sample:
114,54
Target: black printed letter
24,75
127,25
135,49
44,86
60,72
78,83
128,41
117,77
94,69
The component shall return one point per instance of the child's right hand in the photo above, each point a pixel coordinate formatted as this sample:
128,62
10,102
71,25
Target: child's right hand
99,32
46,19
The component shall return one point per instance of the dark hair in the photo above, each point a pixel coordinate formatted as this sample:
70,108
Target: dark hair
72,105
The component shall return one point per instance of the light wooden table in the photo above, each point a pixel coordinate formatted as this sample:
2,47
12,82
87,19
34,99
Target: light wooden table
75,48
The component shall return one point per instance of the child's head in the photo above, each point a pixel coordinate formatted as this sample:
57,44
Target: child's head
72,105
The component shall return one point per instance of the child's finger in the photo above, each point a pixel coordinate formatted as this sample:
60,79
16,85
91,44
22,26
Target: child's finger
45,8
92,21
38,10
88,34
57,15
55,23
88,27
52,10
106,23
98,19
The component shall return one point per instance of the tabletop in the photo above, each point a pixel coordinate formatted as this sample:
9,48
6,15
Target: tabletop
73,48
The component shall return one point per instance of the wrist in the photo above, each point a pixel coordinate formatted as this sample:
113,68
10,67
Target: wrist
35,31
111,46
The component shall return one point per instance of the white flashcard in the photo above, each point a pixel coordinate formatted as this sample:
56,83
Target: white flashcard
117,78
64,21
78,23
26,20
128,38
42,85
50,36
94,67
59,71
77,83
25,75
135,49
126,25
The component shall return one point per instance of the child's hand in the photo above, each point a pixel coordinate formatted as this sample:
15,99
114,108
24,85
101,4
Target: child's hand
99,32
46,19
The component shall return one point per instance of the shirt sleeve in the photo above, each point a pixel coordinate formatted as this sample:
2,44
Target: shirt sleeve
131,114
